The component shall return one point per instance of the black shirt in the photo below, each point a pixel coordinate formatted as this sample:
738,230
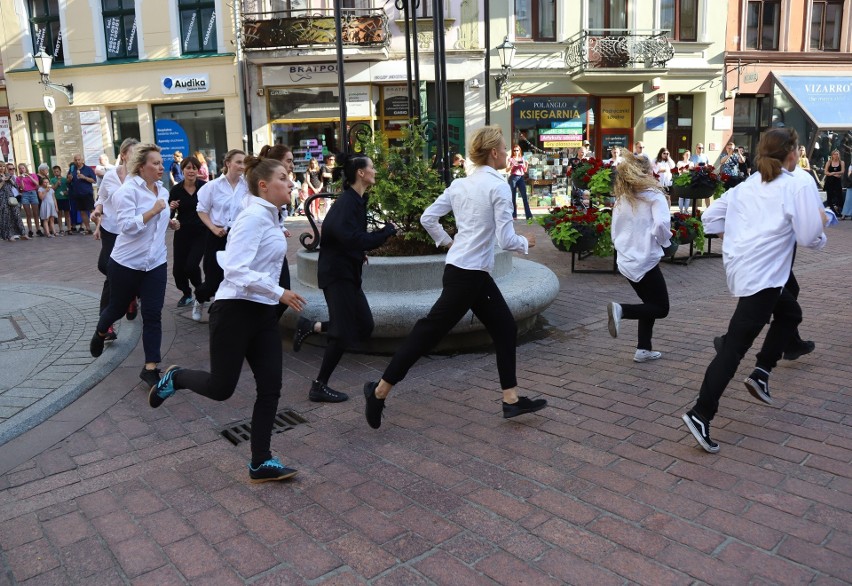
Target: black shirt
345,238
186,212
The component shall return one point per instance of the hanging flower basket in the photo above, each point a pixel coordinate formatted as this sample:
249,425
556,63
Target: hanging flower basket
585,243
690,192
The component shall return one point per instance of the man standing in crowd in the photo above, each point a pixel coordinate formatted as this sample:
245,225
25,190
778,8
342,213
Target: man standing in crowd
81,178
175,172
698,158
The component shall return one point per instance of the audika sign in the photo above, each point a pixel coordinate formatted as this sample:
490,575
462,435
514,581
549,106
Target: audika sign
185,84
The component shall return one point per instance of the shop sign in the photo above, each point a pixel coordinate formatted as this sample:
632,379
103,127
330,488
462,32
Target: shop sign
616,112
608,141
185,84
170,137
554,122
358,102
825,99
655,122
396,101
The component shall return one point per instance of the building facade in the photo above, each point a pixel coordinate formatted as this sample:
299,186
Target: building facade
789,63
160,70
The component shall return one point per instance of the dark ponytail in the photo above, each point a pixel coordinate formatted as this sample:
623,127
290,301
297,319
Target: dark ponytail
259,169
276,152
774,146
348,167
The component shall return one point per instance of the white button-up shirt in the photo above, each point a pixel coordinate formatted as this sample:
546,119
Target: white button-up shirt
640,233
140,246
762,222
482,206
222,202
109,185
253,256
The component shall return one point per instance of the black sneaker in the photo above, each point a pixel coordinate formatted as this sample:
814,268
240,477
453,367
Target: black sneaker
151,377
700,429
111,335
757,384
799,350
374,407
96,345
132,310
322,393
304,328
718,342
272,469
185,301
524,405
164,388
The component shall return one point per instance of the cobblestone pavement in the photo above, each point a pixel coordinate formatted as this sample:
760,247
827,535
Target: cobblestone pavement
605,486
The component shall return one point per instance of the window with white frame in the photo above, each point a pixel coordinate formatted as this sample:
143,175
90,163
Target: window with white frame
763,25
535,20
44,27
680,17
608,15
197,26
826,18
120,29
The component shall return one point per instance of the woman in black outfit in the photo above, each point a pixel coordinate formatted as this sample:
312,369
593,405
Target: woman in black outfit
191,239
341,259
833,182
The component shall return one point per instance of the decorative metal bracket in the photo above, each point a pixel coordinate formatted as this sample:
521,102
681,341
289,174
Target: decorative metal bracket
311,241
500,81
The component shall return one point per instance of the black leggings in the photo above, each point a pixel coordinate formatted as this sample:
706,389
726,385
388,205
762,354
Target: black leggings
752,313
651,289
213,273
463,290
350,321
107,244
189,245
239,330
283,281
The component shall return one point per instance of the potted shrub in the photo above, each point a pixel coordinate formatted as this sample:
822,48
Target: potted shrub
687,229
699,183
574,230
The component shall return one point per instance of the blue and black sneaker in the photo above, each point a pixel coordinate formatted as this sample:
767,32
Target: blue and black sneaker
165,388
272,469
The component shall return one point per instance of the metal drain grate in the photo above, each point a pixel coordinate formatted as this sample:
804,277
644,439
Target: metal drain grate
241,432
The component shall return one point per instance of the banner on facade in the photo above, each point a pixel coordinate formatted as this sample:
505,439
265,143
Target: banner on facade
6,148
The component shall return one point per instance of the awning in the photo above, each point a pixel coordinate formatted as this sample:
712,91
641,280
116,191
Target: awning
824,99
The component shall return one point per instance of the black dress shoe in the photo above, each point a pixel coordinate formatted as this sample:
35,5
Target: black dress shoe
322,393
96,346
524,405
799,350
374,407
150,376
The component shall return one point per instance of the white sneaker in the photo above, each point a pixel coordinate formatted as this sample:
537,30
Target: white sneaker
614,312
197,309
646,355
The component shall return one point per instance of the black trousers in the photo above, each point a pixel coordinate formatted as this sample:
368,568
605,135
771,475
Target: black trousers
283,281
463,290
213,273
350,321
652,290
242,330
189,246
752,313
150,286
107,244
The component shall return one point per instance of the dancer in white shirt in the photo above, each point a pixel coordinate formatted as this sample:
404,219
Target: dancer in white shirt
482,206
762,220
641,228
137,265
220,201
243,322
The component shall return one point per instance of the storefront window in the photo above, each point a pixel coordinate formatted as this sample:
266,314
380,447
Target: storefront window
190,128
125,124
120,29
197,26
44,22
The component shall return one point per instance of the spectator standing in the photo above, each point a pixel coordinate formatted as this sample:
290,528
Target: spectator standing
762,219
175,172
480,204
846,212
699,158
683,166
729,163
639,150
312,185
663,167
615,157
835,169
745,163
28,187
243,323
137,265
60,190
191,240
47,209
103,166
204,171
341,260
517,171
219,203
81,180
641,228
11,226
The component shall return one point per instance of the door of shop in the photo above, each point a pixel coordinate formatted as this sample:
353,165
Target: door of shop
679,136
44,145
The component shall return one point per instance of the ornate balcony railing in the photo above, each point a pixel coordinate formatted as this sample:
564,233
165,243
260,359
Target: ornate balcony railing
306,28
618,49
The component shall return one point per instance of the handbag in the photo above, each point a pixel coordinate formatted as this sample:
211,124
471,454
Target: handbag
13,201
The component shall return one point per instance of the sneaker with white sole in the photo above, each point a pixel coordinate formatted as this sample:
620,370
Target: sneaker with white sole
646,355
197,310
164,388
700,429
757,384
272,469
614,313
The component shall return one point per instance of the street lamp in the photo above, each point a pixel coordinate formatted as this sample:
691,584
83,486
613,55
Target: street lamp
506,53
44,62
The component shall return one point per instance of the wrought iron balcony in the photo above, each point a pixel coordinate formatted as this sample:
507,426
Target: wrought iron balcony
310,28
618,49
